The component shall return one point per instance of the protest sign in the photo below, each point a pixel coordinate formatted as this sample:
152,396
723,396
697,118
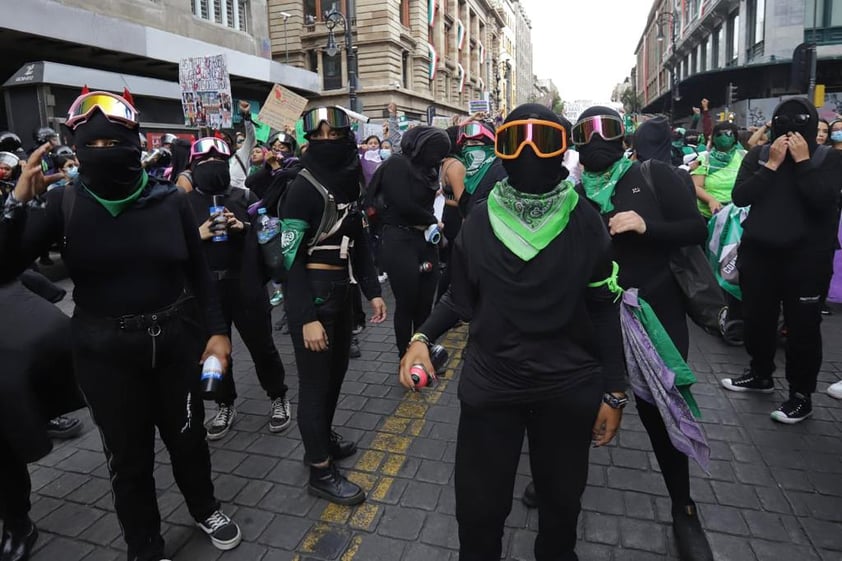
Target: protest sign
282,108
205,92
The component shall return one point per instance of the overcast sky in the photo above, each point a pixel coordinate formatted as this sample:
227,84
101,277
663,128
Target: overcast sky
597,50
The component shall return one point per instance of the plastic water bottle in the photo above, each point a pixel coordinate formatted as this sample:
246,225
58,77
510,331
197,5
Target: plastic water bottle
219,227
267,228
211,377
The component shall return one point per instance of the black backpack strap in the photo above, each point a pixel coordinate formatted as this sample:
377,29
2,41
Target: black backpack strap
68,202
646,171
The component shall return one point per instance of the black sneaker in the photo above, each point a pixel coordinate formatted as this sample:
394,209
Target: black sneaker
794,410
221,422
329,484
749,382
355,348
279,417
64,427
223,532
690,539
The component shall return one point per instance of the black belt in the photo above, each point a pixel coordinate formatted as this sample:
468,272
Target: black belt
140,322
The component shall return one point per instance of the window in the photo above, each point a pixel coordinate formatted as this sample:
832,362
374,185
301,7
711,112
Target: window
317,8
230,13
405,69
733,39
405,21
756,14
332,78
721,47
313,61
447,41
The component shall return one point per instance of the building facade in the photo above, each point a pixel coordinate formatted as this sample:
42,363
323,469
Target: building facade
427,56
736,53
134,44
525,79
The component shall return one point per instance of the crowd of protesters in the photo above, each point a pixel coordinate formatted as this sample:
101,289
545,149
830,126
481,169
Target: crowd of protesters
548,238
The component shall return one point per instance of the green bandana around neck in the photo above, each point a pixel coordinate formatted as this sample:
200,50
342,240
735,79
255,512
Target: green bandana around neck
599,185
526,223
477,160
114,208
719,160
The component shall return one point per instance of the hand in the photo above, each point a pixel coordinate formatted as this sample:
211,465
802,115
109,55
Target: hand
232,222
705,104
220,347
714,206
798,147
606,425
31,182
315,336
628,221
696,111
392,108
272,159
378,310
205,230
417,353
245,107
777,152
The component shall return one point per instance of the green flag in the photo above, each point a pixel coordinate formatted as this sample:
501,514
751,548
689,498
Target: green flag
261,131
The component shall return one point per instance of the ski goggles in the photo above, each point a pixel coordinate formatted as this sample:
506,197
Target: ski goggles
791,120
115,108
474,131
204,146
335,117
606,126
547,139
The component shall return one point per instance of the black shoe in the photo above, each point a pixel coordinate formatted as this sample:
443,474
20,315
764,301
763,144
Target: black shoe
329,484
794,410
530,498
749,382
689,536
64,427
355,349
341,448
16,547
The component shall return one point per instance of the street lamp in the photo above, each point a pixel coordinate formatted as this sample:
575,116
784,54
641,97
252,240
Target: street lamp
332,19
286,16
668,18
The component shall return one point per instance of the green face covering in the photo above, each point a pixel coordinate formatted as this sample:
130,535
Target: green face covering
114,208
477,160
599,186
724,148
526,223
724,142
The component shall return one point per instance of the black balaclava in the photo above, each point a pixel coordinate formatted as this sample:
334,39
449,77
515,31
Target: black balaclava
528,173
789,110
425,147
212,176
180,149
336,163
653,140
599,154
111,173
453,135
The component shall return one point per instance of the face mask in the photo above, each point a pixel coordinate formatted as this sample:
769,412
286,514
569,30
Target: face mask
599,154
723,142
72,172
385,153
212,177
112,173
836,136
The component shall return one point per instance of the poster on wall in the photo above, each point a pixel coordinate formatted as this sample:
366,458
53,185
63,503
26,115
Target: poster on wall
205,92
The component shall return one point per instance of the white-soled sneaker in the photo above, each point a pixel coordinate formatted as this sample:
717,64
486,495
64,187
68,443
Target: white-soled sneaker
222,422
835,390
222,531
280,416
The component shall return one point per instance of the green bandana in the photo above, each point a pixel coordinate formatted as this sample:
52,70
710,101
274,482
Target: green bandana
114,208
527,223
719,160
477,160
599,186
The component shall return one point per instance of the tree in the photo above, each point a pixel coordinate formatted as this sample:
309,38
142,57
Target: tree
631,100
558,104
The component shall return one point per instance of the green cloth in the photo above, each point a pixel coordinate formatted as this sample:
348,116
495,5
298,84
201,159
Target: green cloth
261,131
719,181
292,234
599,186
477,160
114,208
299,133
526,223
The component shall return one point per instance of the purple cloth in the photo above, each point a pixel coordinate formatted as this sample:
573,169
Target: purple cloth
835,293
654,382
370,161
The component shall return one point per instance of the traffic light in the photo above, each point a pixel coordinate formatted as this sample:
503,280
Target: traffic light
818,96
731,96
802,58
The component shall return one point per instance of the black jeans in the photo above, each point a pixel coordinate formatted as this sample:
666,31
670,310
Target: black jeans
798,280
402,251
15,487
320,374
487,453
254,323
134,383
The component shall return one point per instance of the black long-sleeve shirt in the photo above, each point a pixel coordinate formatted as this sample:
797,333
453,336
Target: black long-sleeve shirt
536,328
795,206
304,202
409,200
139,262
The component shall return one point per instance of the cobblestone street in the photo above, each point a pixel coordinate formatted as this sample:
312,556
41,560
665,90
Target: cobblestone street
774,491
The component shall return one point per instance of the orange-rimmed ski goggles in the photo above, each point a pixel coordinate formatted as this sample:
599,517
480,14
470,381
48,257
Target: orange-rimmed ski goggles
547,139
115,108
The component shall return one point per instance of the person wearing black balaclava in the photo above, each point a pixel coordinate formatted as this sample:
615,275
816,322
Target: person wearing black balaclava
531,271
409,254
785,255
646,225
132,249
236,265
323,239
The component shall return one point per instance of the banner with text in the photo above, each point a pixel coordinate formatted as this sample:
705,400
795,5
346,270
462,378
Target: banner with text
205,92
282,108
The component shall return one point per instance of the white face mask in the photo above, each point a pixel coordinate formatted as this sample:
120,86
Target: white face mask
72,172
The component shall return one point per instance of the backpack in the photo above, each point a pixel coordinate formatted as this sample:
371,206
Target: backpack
374,203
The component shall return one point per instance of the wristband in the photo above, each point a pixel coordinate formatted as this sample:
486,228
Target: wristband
420,337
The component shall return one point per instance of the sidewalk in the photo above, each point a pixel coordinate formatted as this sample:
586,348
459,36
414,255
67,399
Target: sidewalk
774,492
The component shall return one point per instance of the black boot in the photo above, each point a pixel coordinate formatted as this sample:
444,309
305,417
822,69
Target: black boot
328,483
341,448
689,536
16,546
530,498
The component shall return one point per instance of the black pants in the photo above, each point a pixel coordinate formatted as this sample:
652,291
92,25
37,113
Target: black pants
798,280
487,453
134,383
254,323
401,254
15,487
320,374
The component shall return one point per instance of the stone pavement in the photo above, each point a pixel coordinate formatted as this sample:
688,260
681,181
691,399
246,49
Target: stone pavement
774,492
